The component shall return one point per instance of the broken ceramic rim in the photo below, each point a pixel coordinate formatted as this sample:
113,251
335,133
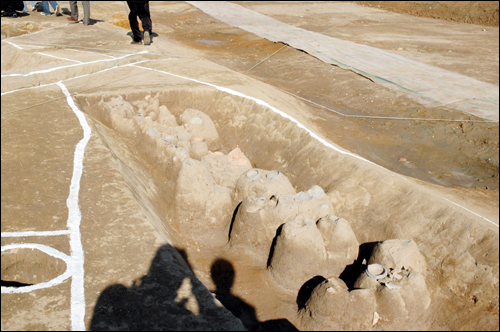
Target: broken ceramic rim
316,191
170,138
302,196
272,174
376,271
392,285
253,174
196,120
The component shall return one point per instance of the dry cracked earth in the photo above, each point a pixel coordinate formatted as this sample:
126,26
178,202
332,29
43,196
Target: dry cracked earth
213,180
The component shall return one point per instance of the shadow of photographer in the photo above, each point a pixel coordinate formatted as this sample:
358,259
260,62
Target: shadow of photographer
169,297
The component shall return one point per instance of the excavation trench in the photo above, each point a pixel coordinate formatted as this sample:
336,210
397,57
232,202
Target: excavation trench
272,220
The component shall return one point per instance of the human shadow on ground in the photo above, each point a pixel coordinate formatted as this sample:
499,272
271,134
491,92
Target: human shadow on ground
222,273
92,21
169,297
153,35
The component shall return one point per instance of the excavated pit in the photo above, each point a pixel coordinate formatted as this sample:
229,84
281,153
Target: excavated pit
281,228
23,267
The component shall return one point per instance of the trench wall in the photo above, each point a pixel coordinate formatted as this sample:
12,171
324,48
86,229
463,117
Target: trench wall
461,250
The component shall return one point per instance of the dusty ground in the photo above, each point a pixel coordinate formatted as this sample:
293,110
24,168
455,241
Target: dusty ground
455,160
475,12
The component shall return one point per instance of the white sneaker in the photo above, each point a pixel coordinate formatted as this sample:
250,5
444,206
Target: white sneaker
58,10
147,38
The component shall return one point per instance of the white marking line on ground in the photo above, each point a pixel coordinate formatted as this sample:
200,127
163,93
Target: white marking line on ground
33,33
71,47
109,56
10,43
35,233
48,250
263,103
53,56
73,78
75,262
77,64
74,220
30,46
470,211
300,125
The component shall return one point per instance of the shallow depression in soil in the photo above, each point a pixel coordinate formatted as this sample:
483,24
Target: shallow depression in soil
25,267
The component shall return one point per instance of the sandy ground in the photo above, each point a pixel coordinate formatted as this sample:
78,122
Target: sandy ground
437,184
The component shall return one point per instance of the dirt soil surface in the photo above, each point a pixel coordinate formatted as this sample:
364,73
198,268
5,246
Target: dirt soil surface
125,193
474,12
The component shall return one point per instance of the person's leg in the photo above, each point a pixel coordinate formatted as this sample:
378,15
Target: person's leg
74,9
145,17
46,9
86,11
53,4
34,5
9,8
25,8
57,8
132,19
6,8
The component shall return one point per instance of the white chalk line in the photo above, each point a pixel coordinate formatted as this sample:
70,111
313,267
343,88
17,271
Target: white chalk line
48,250
74,220
34,33
74,264
72,47
109,56
263,103
258,101
72,78
11,43
300,125
69,66
471,211
31,46
53,56
35,233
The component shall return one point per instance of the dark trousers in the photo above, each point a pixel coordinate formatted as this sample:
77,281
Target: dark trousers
139,9
10,7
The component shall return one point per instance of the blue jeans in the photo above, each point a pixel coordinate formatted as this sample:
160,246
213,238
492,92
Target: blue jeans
46,8
32,3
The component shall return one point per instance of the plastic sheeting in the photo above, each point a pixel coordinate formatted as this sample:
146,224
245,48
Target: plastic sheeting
428,85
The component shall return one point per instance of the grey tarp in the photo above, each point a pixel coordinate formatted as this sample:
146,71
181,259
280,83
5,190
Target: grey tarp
428,85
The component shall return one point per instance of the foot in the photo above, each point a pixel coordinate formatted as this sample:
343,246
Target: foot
135,42
42,13
85,23
71,19
35,7
58,10
147,38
